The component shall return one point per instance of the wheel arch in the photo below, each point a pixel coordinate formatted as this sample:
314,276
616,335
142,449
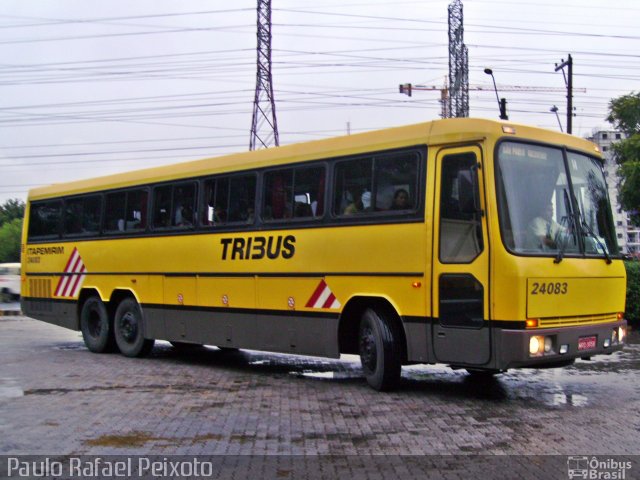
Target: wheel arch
111,303
85,293
117,296
349,322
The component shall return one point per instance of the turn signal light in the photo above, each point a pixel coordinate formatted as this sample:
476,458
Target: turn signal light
532,322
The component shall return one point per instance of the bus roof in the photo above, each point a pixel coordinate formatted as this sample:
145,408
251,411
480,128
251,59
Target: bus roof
435,132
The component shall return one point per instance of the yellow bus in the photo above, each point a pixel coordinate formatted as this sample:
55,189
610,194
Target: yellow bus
478,244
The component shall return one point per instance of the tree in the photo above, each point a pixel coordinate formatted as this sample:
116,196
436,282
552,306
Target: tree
624,115
10,233
10,210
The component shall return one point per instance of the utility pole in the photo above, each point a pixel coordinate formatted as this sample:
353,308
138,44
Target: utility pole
264,126
569,83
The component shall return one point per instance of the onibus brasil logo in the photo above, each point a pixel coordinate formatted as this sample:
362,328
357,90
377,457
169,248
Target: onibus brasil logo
597,468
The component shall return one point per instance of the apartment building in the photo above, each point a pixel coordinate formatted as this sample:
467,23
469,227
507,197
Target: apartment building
628,235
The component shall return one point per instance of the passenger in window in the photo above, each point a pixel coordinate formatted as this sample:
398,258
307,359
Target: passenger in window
187,216
359,206
543,231
184,216
219,216
162,219
346,199
401,200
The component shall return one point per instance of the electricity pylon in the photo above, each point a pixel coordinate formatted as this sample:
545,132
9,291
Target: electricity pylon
264,125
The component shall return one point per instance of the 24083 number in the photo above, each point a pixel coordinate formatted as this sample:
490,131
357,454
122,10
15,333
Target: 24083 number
550,288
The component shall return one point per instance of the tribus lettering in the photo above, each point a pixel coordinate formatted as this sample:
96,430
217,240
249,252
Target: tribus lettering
256,248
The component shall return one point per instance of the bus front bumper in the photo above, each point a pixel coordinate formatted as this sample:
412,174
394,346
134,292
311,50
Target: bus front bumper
548,347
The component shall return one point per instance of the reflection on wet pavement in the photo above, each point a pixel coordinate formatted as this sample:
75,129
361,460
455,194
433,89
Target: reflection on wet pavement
568,387
9,388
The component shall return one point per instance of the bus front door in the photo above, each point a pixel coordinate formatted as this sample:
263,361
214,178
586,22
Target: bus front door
460,326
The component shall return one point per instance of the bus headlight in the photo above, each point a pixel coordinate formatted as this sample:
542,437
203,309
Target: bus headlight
536,345
539,345
618,335
548,344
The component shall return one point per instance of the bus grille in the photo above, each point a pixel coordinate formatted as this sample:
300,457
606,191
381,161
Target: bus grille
568,321
40,287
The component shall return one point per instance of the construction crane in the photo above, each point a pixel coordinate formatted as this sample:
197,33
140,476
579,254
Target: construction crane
408,88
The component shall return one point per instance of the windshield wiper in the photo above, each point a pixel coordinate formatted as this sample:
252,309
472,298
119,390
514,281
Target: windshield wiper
563,245
590,231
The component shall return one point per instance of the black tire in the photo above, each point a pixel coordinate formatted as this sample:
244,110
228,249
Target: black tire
97,331
129,330
380,350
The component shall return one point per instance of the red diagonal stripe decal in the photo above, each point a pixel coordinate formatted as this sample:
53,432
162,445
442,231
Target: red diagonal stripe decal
316,294
329,301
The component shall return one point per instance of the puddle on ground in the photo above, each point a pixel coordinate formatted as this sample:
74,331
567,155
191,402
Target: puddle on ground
326,375
9,388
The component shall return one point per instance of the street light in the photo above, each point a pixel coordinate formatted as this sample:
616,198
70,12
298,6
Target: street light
554,109
502,103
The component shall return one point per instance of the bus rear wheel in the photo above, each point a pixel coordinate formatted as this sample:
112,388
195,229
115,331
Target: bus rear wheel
380,352
129,330
96,328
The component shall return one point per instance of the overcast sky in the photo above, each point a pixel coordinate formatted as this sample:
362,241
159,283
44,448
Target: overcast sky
94,87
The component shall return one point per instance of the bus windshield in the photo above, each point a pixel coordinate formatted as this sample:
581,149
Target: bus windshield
552,207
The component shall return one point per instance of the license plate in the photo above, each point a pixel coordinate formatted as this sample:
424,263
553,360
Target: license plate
587,343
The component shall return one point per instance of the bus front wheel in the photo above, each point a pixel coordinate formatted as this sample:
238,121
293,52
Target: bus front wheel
380,352
95,326
129,330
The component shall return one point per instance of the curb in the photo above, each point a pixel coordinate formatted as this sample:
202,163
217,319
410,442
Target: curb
10,313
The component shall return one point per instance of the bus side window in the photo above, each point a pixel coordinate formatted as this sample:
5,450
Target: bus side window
308,192
162,207
82,215
242,199
126,211
73,216
353,183
278,194
136,214
183,205
385,183
91,214
208,210
219,204
460,230
114,212
294,193
396,182
44,220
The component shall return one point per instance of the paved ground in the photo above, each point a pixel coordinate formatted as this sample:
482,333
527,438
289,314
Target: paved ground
284,415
